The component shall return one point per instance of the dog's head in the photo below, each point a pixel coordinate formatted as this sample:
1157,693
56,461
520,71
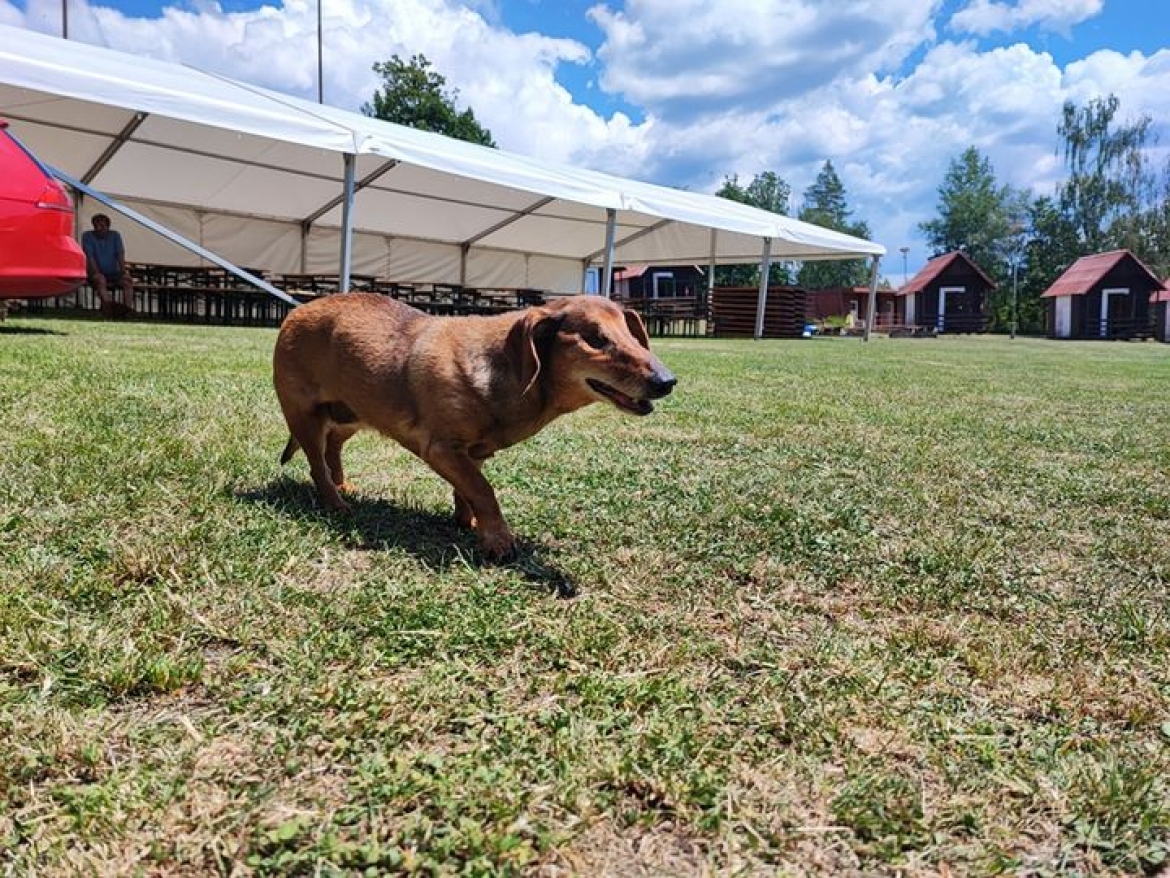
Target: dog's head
586,349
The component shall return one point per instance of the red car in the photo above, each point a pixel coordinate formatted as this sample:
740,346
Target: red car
38,255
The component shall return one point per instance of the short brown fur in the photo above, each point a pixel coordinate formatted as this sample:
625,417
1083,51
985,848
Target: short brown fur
453,390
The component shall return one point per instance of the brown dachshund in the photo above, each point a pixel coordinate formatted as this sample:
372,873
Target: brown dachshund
453,390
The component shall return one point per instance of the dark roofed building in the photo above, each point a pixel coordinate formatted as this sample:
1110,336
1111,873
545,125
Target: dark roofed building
658,281
1106,295
949,294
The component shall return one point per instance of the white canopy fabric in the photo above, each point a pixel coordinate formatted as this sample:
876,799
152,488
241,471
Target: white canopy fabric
258,177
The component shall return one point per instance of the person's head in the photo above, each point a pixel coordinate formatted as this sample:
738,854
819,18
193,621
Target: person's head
101,223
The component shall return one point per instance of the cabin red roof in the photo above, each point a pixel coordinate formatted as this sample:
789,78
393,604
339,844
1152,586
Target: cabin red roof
1161,295
937,266
630,271
1088,271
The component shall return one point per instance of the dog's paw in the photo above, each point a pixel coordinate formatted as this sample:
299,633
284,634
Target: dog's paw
498,545
337,505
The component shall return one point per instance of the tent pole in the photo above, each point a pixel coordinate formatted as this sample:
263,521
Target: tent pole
347,224
610,227
873,282
711,271
762,304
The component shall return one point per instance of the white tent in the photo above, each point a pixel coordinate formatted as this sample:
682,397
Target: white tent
260,178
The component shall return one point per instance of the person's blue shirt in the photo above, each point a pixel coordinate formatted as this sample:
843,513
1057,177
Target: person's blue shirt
105,252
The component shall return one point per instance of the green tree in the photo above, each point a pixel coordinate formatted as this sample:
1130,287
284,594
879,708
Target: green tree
825,204
984,219
1109,185
975,214
767,191
413,93
1155,226
1048,245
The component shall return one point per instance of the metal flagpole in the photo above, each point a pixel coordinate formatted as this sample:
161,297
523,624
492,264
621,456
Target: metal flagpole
320,61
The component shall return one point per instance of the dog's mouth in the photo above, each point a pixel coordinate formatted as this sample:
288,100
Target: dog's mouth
619,399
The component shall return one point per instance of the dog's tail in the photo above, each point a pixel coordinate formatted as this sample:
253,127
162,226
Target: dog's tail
289,450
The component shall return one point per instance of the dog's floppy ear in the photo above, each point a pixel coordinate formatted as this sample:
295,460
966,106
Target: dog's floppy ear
637,328
520,347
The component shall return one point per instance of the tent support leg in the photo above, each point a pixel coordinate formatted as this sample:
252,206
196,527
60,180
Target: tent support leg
610,227
709,294
762,303
872,308
347,224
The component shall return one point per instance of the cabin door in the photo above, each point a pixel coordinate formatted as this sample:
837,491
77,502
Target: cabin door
664,285
1063,328
956,306
1115,308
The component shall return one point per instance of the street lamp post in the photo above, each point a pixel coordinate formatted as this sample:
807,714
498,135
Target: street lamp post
1018,245
1015,293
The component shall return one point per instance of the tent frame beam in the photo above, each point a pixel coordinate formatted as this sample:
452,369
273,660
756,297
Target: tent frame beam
115,145
641,233
358,187
173,237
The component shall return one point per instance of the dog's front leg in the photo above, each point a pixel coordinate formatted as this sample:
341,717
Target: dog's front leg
479,500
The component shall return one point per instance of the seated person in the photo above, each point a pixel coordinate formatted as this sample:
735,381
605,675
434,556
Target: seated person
105,264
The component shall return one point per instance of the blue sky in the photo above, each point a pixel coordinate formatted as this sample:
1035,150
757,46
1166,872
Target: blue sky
689,92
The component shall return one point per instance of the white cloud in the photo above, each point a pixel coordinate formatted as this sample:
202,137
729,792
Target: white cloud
983,17
682,58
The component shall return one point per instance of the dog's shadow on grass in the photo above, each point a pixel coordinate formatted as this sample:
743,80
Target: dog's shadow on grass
28,330
435,540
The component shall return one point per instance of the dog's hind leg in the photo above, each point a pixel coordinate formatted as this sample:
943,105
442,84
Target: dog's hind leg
310,430
335,438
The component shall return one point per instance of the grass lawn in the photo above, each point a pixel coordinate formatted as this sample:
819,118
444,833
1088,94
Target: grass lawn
896,607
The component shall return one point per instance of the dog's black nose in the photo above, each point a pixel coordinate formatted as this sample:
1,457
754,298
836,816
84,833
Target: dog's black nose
661,383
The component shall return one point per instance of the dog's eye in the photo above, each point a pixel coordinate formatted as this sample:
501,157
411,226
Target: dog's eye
595,339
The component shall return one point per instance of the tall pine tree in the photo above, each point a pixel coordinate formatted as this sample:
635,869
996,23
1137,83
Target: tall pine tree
976,214
825,204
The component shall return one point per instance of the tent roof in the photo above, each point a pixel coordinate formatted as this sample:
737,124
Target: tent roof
173,136
1084,274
